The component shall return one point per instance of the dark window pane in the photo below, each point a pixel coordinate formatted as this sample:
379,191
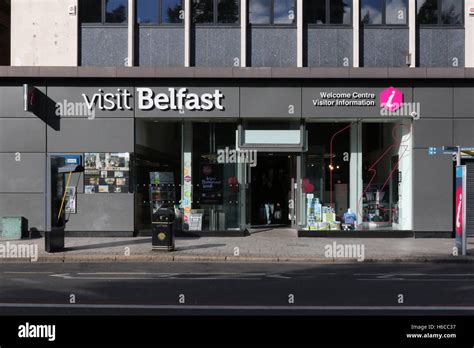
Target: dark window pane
396,12
371,11
451,12
170,11
116,11
259,11
147,11
90,11
427,11
228,11
203,11
340,12
284,12
315,11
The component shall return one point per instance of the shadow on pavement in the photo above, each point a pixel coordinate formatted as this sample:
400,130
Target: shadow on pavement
108,245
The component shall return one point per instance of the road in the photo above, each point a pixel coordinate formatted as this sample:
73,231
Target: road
235,288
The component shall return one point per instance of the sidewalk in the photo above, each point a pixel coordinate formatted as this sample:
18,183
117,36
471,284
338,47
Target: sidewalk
266,246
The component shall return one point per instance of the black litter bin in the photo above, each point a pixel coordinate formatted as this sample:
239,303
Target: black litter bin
162,229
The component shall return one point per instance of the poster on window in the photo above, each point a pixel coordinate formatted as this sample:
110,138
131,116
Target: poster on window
106,172
70,200
211,183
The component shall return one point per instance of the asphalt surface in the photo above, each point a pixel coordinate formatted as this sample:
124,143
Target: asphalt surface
134,288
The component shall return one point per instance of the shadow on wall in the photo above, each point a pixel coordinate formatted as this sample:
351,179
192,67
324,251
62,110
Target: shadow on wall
44,108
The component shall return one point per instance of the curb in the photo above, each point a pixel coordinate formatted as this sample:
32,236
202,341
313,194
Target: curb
169,257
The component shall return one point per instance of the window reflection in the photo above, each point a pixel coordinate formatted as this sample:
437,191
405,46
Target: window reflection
90,11
284,11
147,11
116,11
259,11
340,11
228,11
396,12
203,11
427,11
170,11
371,11
315,11
451,12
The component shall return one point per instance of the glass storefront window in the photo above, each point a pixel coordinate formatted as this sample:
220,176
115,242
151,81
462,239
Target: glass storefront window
157,171
215,184
357,176
325,176
384,147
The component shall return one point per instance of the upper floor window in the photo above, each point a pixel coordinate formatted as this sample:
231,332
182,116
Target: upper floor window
384,12
159,11
272,11
103,11
215,11
336,12
440,12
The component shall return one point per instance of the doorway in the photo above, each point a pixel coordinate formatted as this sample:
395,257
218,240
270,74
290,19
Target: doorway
272,201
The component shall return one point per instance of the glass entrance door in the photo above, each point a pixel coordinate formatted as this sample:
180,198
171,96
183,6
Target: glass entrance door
272,188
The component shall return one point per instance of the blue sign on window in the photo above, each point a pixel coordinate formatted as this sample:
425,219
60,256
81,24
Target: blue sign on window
72,160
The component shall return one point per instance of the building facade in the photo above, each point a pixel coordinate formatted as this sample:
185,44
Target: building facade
238,113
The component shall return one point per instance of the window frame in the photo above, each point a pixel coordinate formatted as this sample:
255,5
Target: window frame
103,16
439,23
159,22
272,17
328,17
384,17
215,17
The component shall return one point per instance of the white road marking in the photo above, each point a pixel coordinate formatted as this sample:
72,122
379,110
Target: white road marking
28,272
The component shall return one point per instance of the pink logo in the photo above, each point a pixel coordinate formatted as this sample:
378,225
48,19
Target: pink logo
391,99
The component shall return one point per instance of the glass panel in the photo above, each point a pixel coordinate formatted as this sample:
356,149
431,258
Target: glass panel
259,11
116,11
315,11
371,11
90,11
340,12
157,170
396,12
170,11
427,11
325,178
203,11
147,11
228,11
284,12
451,12
384,146
216,187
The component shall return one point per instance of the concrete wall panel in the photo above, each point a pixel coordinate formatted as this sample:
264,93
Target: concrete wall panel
432,193
31,206
22,135
273,47
97,135
102,212
160,46
26,175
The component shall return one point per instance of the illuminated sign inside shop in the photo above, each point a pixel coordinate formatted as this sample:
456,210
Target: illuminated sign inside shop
147,99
